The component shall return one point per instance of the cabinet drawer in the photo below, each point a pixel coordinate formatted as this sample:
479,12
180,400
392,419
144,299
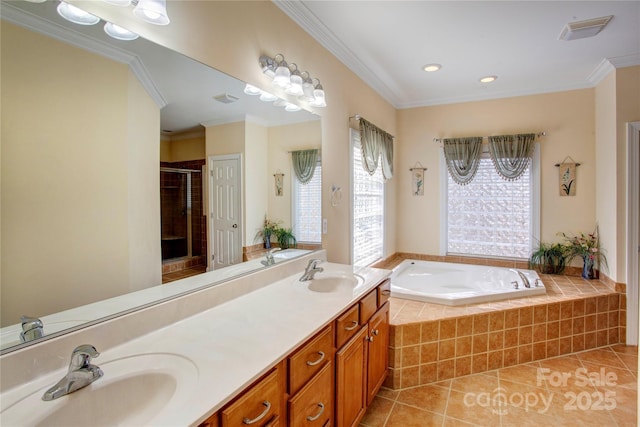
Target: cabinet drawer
212,421
307,361
259,406
368,306
384,292
313,406
347,325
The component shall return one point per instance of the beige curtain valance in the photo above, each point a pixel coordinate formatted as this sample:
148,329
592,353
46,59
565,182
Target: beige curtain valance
376,146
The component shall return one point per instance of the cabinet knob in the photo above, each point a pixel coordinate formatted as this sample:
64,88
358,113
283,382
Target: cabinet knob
375,331
370,339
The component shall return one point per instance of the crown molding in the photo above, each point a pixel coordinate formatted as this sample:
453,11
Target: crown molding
34,23
301,15
607,65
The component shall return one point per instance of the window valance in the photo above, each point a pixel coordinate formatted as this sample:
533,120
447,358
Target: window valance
304,164
377,146
462,156
511,154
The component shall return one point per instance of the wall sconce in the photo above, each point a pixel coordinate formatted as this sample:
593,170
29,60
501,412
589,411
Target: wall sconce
294,82
151,11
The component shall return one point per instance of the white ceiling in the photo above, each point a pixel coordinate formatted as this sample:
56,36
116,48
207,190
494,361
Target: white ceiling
388,42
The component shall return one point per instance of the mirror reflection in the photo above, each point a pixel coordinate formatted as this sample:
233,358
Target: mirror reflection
126,165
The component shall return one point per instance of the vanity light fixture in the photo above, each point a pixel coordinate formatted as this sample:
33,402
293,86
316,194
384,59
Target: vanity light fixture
119,33
292,107
267,97
430,68
293,81
152,11
252,90
488,79
76,15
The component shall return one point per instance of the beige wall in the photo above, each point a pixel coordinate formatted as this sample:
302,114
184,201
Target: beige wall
617,102
182,148
259,27
59,213
256,180
282,140
568,119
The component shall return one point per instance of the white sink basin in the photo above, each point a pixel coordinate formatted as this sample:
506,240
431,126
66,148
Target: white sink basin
136,390
334,282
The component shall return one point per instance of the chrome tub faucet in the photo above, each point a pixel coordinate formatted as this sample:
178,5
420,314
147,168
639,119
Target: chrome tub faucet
81,373
311,270
524,279
270,260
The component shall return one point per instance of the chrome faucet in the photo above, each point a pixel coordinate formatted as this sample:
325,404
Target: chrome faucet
32,328
311,270
525,281
81,373
269,257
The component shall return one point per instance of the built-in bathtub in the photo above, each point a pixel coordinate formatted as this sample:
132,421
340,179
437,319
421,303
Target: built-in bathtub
459,284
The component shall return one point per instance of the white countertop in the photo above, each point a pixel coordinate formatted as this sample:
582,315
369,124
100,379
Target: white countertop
233,344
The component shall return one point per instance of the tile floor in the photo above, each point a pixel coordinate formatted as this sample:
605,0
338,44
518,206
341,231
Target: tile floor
591,388
181,274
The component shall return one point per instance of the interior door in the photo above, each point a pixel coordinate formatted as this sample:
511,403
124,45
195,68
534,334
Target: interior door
224,211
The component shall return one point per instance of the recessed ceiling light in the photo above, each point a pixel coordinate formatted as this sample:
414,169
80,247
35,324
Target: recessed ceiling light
430,68
488,79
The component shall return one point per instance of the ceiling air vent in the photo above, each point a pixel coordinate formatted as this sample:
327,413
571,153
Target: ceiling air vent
226,98
584,29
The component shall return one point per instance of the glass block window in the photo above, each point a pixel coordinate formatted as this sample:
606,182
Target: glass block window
490,216
307,208
368,209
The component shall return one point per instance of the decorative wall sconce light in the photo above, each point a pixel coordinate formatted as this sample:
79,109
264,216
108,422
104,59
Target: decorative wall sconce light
151,11
293,81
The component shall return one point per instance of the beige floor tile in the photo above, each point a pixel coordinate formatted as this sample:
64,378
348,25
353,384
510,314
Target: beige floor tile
377,413
627,349
468,408
475,383
452,422
521,417
608,376
429,397
388,393
523,374
407,416
604,356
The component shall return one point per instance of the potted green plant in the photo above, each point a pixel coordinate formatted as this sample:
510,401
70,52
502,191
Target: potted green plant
285,238
587,247
269,228
548,258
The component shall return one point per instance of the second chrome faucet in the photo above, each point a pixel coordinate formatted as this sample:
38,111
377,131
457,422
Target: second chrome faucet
311,270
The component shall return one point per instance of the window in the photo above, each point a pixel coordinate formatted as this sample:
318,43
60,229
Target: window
307,208
490,216
367,209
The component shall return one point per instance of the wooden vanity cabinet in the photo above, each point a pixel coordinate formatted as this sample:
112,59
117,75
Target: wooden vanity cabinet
361,364
316,385
261,405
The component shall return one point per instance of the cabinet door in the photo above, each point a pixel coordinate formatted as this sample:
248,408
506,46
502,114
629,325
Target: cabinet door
258,406
351,381
313,405
378,343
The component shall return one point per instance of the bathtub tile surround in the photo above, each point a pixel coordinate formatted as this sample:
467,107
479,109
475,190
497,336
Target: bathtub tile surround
458,401
432,342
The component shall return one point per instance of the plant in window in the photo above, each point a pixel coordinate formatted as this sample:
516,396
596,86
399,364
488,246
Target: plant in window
548,258
587,247
285,238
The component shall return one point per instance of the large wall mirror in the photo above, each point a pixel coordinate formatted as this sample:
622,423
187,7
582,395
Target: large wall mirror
108,149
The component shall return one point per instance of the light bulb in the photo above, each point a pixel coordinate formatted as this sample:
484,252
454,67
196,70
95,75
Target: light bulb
251,90
152,11
295,88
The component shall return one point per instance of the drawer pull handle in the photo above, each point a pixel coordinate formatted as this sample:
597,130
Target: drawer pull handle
264,413
315,417
385,292
317,361
370,339
375,332
354,324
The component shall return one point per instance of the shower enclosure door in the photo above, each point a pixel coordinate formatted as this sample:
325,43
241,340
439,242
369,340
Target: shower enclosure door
175,212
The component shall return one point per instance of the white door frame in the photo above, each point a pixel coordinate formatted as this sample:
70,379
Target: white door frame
210,227
633,216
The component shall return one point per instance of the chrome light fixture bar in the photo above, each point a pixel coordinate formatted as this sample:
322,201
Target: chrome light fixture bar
293,81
